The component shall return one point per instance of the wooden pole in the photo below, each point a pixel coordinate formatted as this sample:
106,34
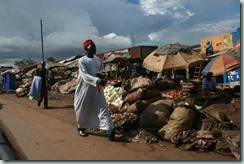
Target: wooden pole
188,74
42,41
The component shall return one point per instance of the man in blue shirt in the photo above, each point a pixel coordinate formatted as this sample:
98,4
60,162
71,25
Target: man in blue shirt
209,83
209,48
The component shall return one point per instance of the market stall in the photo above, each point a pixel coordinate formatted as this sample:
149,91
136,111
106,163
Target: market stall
116,63
172,57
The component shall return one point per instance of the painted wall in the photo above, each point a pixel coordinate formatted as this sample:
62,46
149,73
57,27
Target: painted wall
219,42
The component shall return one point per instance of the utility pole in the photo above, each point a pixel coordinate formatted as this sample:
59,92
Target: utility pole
42,41
132,38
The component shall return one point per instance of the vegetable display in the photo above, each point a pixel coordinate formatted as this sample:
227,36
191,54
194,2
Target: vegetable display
114,95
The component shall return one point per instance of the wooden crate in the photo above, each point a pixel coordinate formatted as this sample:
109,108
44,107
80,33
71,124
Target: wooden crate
233,84
223,86
186,86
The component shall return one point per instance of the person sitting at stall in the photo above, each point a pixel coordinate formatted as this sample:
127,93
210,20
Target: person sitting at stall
209,83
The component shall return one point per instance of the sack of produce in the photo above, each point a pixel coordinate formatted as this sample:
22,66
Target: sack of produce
140,105
150,93
181,119
141,82
155,114
136,107
134,96
141,94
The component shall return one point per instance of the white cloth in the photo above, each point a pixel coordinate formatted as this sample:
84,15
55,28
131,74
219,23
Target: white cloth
159,76
35,90
209,84
89,102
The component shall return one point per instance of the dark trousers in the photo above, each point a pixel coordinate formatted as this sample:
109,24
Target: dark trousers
209,52
44,95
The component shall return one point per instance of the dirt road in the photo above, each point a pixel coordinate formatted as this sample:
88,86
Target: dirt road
38,134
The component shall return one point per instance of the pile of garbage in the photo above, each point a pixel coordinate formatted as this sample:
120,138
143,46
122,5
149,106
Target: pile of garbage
62,79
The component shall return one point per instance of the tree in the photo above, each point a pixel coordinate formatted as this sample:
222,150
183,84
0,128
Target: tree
50,59
24,62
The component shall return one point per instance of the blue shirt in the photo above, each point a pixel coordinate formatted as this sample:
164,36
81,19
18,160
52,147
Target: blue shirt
209,84
210,47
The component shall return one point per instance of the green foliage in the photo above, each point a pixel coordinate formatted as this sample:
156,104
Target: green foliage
24,62
50,59
97,132
200,100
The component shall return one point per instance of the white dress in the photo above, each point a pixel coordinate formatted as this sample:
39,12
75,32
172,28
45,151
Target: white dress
89,102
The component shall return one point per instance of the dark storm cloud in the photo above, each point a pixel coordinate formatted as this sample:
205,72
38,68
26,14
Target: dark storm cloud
110,23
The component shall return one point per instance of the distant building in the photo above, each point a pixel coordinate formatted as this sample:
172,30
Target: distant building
196,47
138,53
141,51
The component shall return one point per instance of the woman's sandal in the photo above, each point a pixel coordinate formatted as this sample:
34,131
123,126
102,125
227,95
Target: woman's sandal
82,132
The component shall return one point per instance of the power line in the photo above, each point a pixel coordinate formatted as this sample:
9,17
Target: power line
59,37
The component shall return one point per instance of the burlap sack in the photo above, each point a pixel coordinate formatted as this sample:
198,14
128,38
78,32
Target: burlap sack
134,96
141,94
181,119
155,114
140,105
141,82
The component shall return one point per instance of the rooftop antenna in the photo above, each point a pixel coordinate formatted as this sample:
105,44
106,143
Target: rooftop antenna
42,41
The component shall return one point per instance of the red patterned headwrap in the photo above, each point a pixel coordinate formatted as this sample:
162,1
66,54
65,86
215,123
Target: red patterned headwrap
87,43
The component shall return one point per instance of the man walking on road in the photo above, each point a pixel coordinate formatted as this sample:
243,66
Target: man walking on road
89,100
43,73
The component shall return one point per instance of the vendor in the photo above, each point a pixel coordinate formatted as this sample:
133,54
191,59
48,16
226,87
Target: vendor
209,83
209,48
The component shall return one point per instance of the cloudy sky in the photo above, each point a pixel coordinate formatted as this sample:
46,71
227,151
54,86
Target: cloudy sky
110,23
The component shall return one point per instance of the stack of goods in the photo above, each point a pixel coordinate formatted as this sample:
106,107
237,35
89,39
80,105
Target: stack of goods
142,94
186,86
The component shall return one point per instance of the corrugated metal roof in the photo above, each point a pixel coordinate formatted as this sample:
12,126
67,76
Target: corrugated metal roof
172,49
